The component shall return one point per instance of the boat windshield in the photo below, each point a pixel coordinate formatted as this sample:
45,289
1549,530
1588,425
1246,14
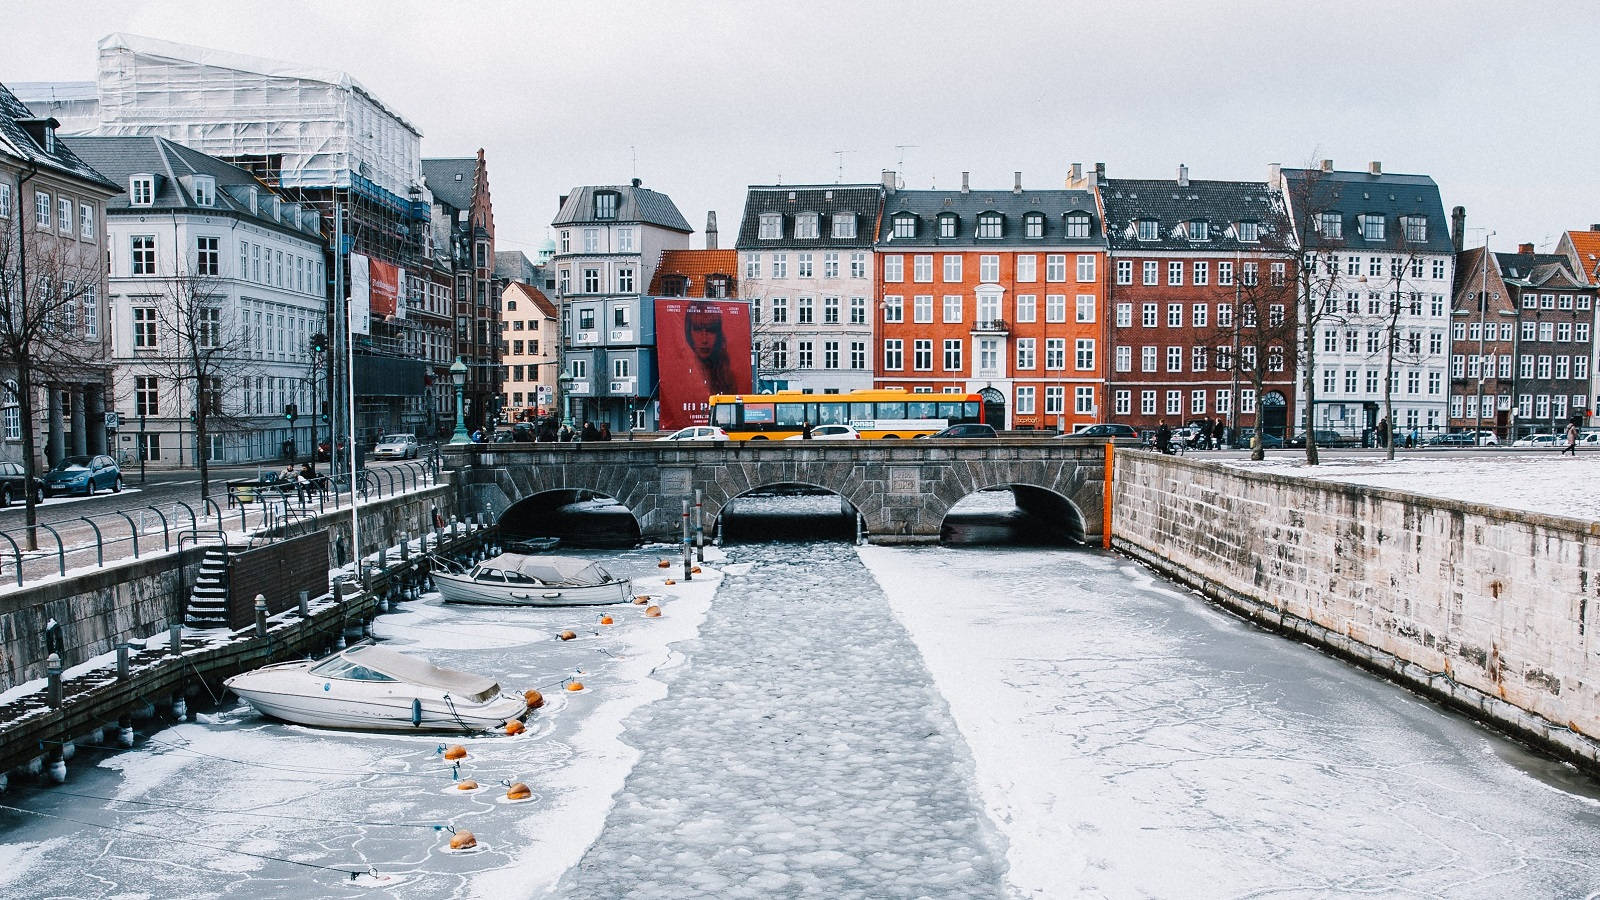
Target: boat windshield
339,667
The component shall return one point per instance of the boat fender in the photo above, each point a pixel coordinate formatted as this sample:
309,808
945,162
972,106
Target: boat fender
652,612
567,635
467,785
416,712
641,600
519,791
515,726
695,570
455,751
669,581
574,686
606,620
552,595
534,698
664,564
463,840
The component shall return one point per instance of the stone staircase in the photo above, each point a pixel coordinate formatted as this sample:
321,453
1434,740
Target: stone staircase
208,599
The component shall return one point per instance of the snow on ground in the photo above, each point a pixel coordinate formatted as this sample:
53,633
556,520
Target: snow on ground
1131,740
1535,481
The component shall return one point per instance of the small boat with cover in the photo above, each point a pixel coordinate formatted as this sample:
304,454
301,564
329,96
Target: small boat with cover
376,689
517,579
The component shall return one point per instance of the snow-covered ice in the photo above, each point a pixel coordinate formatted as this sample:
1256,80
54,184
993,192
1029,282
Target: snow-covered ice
1534,481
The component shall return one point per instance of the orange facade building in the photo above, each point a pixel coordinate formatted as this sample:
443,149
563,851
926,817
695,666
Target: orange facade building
999,293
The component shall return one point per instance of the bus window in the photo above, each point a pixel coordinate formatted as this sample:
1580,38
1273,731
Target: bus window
722,414
861,411
971,410
891,410
921,409
791,413
758,413
950,412
831,414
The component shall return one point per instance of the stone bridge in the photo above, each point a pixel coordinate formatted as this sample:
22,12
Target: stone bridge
902,489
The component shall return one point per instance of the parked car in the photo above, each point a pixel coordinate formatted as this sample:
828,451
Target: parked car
396,446
83,475
1484,438
1244,439
1446,441
520,433
1541,440
12,484
697,433
1589,438
829,433
1325,438
322,449
967,430
1105,429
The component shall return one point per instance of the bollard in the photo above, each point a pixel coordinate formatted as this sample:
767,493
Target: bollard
175,640
405,547
305,604
454,524
383,558
125,730
261,616
699,529
687,561
122,661
58,766
52,668
180,707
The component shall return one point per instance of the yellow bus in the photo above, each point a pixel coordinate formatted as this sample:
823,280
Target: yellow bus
886,414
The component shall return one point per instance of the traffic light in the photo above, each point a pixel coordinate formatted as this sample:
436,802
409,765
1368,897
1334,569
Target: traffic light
194,417
290,411
319,343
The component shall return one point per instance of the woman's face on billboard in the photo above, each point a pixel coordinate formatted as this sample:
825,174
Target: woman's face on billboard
705,330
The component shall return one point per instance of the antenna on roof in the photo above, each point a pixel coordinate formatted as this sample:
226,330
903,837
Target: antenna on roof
900,163
633,153
839,179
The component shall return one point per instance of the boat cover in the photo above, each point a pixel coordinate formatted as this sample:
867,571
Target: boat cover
563,571
401,667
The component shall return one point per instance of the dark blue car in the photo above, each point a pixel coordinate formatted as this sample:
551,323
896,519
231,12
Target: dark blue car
83,475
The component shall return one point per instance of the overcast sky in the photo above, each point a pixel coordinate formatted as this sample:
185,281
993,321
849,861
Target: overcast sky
1495,102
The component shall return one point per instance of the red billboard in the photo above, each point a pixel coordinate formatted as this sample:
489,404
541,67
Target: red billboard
385,287
702,348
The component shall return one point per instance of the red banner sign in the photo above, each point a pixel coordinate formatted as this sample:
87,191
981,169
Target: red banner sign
385,281
702,348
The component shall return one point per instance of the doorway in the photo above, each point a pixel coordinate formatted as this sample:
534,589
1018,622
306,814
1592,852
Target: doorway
994,408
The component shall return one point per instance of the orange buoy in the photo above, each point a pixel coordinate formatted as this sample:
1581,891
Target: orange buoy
606,620
574,686
467,785
694,570
455,751
641,600
518,791
515,726
652,612
534,698
568,635
669,581
462,840
664,564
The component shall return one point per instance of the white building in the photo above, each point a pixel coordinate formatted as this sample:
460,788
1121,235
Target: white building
191,222
1381,264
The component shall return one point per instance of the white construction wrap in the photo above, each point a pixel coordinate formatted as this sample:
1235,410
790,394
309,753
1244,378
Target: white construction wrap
360,296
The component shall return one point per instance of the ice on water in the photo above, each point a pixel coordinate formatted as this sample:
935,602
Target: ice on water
803,751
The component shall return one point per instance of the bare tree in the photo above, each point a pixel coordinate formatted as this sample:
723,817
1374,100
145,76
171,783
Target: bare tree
1408,350
44,325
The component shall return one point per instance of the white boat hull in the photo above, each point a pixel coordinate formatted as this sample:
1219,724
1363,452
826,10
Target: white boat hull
462,589
289,692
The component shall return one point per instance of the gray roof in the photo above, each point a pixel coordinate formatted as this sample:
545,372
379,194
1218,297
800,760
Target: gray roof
928,206
16,141
635,205
450,180
120,157
864,201
1352,194
1539,270
1220,204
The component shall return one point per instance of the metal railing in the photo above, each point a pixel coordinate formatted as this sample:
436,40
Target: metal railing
267,510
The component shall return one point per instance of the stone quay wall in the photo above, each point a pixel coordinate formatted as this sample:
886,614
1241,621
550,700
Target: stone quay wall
1489,610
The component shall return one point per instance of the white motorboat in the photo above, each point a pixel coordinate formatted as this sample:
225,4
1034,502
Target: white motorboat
376,689
517,579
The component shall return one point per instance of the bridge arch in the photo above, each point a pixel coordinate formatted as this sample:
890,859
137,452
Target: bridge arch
569,513
1051,511
774,518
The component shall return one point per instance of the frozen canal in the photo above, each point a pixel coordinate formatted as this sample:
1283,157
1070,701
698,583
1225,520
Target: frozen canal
949,723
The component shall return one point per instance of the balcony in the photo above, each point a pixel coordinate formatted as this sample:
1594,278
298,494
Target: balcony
991,326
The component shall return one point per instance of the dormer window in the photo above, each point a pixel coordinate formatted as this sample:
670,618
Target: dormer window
805,226
43,132
1149,230
1199,230
1077,225
771,227
1416,228
1332,225
991,225
605,204
844,225
717,285
905,225
948,223
1372,227
141,190
1249,232
205,190
1033,225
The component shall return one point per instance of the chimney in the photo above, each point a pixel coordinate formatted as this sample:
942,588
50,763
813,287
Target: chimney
562,201
1274,175
637,182
889,180
965,189
711,230
1327,165
1525,249
1458,227
1594,227
1374,168
1016,184
1099,172
1077,173
1183,175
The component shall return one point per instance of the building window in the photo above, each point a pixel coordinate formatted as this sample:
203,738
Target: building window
770,227
952,355
1077,225
952,267
1124,271
1331,226
894,309
1025,401
947,225
1174,359
1249,232
894,354
1055,353
208,333
146,397
844,225
1175,273
989,268
806,310
752,266
144,327
1152,272
1124,358
41,210
1148,313
1225,273
144,254
1085,268
1199,230
830,310
1083,400
1084,360
922,355
952,308
1033,225
1372,227
1149,229
5,200
1025,353
1027,267
1027,308
1202,273
86,222
830,265
1055,308
141,190
207,256
591,281
1086,303
1054,400
990,225
1055,267
806,356
605,205
858,355
591,240
894,268
905,226
1174,315
805,226
1124,315
858,265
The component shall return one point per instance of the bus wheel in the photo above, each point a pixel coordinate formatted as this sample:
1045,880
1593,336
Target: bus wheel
891,437
759,437
918,437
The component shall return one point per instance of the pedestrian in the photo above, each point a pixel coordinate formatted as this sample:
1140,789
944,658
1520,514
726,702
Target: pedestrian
1572,439
605,431
1383,432
565,434
1163,438
805,429
1414,438
590,433
477,435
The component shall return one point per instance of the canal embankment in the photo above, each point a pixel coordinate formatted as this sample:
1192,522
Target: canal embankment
1486,609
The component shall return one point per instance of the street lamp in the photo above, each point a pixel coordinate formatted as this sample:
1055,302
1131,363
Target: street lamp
564,384
458,377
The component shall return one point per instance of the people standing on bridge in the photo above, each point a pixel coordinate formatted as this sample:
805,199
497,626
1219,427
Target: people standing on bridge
1572,439
590,433
1383,432
805,429
566,432
605,431
1163,438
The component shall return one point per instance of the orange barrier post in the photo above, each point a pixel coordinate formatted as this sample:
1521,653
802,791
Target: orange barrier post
1105,500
